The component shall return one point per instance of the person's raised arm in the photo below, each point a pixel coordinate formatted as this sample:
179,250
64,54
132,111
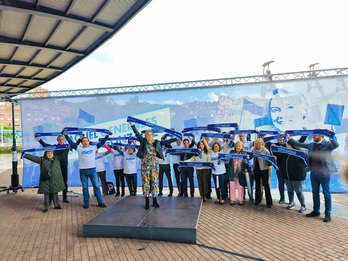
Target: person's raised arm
206,145
139,137
102,142
192,141
107,147
43,144
226,146
32,158
71,143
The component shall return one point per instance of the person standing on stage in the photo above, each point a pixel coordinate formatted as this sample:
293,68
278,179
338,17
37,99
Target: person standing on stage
148,152
118,169
177,171
53,185
86,155
321,165
164,167
187,172
262,170
202,172
62,156
101,171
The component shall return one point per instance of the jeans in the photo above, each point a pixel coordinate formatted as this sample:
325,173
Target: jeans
92,175
317,179
297,187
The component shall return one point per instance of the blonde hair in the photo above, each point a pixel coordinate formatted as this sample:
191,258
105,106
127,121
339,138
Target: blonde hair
262,142
239,142
148,131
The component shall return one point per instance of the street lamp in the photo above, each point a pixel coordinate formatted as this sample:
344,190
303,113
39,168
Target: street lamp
311,69
268,72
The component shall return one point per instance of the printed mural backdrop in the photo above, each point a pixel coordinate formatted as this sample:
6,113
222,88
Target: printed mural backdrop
306,104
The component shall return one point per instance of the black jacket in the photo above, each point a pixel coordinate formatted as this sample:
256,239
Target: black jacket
158,144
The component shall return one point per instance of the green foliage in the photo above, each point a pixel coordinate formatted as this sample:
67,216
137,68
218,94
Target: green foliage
8,150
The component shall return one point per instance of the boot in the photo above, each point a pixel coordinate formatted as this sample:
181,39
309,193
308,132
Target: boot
155,204
147,203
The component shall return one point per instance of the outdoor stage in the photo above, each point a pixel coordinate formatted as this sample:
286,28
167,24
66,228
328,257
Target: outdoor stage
176,220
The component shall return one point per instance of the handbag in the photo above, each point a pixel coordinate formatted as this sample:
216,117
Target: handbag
242,180
47,174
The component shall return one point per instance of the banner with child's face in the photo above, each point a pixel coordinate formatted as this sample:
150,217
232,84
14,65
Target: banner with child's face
306,104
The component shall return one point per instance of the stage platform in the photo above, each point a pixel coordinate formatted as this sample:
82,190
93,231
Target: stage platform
175,221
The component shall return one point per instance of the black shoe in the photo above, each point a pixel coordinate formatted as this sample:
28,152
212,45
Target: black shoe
160,194
58,207
269,206
147,204
117,194
122,194
45,210
65,200
327,218
209,197
256,203
101,205
180,195
185,196
170,194
155,204
85,206
313,214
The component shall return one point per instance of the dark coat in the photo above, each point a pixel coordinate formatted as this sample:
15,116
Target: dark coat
56,183
230,167
158,144
326,147
293,168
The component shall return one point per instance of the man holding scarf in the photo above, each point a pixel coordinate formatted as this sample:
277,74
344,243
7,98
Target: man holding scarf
321,165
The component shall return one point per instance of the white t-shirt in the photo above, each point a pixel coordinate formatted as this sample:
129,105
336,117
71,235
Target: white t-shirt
99,161
166,159
130,163
86,156
219,169
117,159
176,158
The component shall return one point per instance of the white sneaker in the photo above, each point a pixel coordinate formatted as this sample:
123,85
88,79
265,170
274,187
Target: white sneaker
302,209
291,205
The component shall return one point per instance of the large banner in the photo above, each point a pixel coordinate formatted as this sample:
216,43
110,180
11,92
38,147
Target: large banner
306,104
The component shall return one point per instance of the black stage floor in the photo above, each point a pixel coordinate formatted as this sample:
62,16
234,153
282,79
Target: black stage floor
176,220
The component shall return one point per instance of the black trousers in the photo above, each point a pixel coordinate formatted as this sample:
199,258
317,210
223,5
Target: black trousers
165,168
102,176
132,183
64,170
178,177
187,173
262,174
119,176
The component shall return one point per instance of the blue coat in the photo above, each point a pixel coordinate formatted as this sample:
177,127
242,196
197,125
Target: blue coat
325,149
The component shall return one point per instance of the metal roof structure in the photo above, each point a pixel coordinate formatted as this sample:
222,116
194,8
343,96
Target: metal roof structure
264,80
41,39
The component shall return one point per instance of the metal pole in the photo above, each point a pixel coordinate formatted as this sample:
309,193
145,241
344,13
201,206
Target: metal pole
14,176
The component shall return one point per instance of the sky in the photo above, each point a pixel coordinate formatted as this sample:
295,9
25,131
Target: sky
188,40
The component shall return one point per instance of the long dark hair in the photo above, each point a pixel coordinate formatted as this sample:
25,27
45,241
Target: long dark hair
205,148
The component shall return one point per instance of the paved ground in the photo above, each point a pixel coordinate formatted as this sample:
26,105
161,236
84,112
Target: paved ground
224,232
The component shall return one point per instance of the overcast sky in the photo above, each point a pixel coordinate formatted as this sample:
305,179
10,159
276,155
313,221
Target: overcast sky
185,40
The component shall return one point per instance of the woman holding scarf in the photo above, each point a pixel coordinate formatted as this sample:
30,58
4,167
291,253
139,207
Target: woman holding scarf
148,152
262,171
